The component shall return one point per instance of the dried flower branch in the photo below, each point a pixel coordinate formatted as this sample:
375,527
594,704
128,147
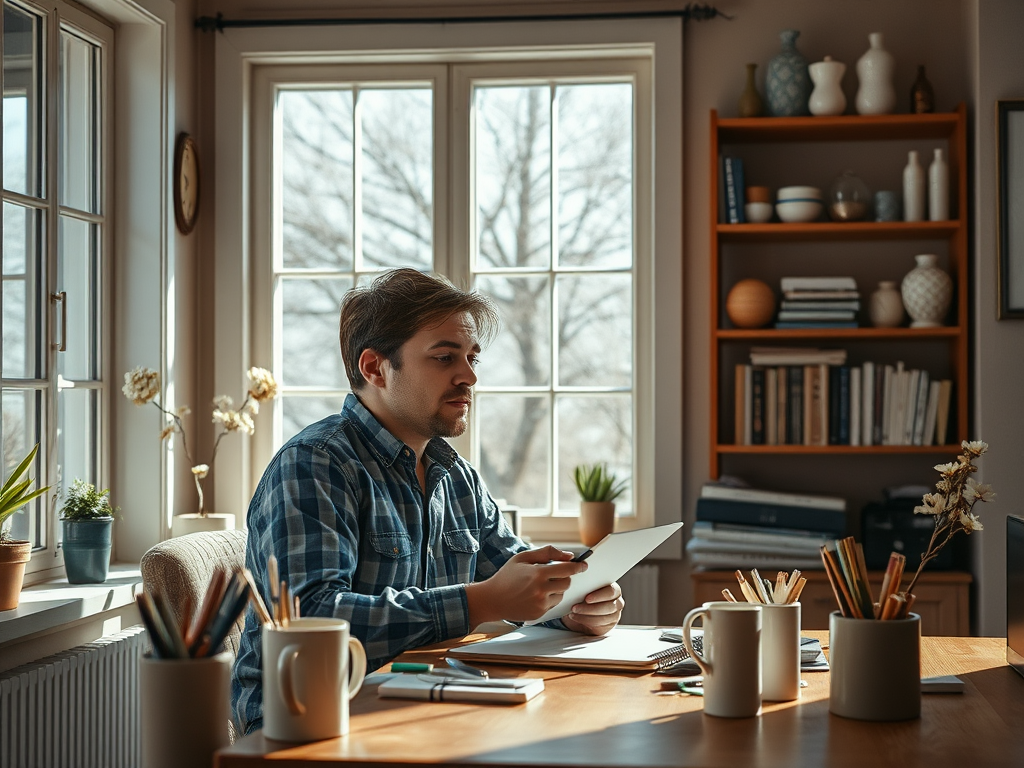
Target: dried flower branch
142,386
953,505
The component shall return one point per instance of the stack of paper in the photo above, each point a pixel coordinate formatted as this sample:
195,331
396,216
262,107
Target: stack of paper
508,690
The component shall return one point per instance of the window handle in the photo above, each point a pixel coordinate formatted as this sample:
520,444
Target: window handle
62,298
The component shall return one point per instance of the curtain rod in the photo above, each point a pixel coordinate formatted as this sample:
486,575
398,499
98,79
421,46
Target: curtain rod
691,11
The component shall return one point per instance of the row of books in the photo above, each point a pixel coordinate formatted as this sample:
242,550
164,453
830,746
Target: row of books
738,527
818,302
823,404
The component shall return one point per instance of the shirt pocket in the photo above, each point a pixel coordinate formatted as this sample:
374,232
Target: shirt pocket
393,561
460,550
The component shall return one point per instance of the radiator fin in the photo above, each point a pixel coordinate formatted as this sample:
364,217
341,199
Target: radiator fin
75,709
640,591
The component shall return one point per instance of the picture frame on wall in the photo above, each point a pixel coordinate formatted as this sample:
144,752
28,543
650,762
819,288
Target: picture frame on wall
1010,174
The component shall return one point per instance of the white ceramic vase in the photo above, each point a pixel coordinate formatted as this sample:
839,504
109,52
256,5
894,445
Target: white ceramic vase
182,525
885,307
938,188
827,98
913,188
875,94
927,292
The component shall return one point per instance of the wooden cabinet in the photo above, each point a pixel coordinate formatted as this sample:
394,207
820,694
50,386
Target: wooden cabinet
942,598
814,151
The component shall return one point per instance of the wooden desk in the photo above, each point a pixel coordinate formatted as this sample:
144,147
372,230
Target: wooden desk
606,719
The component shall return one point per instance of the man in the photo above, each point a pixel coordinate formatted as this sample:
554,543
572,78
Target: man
375,519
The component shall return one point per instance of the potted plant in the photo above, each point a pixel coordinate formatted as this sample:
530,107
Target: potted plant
88,520
14,554
598,490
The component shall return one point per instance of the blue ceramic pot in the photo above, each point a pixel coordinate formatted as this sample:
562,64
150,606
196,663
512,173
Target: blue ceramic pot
788,80
87,550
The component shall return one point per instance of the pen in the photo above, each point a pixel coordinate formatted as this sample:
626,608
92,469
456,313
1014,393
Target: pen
582,556
405,666
465,668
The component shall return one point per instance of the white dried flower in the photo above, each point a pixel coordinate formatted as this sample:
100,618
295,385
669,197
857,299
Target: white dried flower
252,407
970,522
979,491
182,410
223,402
262,384
200,470
934,504
974,447
168,430
141,385
234,421
947,469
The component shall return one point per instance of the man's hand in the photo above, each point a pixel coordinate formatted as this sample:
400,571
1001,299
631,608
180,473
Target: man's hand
598,613
524,588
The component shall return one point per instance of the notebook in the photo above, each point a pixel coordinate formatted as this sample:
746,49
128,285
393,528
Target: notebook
609,560
638,649
423,688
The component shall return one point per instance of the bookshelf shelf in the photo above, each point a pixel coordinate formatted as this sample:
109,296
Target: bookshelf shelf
762,251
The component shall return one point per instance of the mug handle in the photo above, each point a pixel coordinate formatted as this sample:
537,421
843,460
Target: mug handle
286,677
357,666
702,662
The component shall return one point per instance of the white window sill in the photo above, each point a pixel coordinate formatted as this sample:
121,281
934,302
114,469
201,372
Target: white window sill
52,604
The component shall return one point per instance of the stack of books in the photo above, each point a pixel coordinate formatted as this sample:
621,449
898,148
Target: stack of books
810,396
739,527
818,302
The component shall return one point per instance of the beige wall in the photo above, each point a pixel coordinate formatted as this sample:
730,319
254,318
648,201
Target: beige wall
971,51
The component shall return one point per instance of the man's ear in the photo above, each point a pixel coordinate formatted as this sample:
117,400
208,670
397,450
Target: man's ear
371,366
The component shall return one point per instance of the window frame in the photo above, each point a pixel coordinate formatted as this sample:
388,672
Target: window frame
240,52
59,17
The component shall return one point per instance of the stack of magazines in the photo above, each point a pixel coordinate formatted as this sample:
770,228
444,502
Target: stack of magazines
742,527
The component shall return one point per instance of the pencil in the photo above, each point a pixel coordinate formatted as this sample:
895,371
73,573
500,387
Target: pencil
794,593
254,597
275,597
746,589
729,596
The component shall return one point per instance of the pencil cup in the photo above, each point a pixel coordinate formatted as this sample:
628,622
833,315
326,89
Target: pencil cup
731,661
780,651
307,680
875,668
185,709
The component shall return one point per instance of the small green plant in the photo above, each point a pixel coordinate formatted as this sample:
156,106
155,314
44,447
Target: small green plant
596,483
84,502
15,493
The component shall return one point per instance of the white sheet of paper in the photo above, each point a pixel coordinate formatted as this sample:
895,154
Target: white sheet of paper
615,554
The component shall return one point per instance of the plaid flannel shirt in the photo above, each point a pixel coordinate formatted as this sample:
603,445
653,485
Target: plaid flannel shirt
341,508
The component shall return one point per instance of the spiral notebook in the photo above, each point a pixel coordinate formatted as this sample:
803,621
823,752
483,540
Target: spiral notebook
625,648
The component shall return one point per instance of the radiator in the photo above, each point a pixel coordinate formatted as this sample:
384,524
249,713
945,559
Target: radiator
640,591
78,708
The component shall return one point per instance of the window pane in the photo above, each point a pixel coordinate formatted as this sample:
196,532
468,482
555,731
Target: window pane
397,177
513,176
299,411
521,354
595,175
78,276
316,140
79,139
22,318
311,356
595,330
23,102
594,430
77,435
22,429
514,448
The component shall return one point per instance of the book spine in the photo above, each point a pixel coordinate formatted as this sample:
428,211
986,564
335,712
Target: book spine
741,189
723,208
748,409
922,408
783,397
818,284
740,403
771,405
878,403
795,406
843,401
834,409
856,411
760,496
826,521
757,406
933,407
731,203
867,406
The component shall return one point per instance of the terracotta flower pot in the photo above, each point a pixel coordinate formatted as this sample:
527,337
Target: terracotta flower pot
13,557
597,520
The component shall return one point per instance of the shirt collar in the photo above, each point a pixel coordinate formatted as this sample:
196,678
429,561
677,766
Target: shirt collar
388,447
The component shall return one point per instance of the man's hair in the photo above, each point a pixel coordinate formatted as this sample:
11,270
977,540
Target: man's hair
397,305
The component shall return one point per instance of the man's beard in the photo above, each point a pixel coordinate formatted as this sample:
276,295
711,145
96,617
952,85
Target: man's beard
451,427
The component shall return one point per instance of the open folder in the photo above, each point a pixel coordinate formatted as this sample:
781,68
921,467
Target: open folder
640,649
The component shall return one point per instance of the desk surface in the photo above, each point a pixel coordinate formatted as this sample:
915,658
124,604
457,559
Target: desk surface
616,719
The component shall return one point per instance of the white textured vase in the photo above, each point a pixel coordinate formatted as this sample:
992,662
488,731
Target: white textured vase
182,525
885,307
927,291
938,188
827,98
913,189
875,94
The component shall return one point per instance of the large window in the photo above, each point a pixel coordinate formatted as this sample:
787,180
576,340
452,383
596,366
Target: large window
55,254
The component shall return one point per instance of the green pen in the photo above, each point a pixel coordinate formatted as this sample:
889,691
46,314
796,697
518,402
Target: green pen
404,666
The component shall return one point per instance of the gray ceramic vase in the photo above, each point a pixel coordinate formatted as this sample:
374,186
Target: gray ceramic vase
788,82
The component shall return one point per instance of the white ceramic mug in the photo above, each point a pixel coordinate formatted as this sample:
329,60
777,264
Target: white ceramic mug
307,683
731,661
780,652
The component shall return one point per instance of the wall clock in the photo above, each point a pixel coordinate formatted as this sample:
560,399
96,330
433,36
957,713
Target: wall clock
186,183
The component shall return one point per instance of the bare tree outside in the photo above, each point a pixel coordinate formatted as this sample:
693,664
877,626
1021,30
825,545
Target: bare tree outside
553,180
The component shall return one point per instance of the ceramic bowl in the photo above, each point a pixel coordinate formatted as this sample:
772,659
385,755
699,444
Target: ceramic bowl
793,211
798,193
758,213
